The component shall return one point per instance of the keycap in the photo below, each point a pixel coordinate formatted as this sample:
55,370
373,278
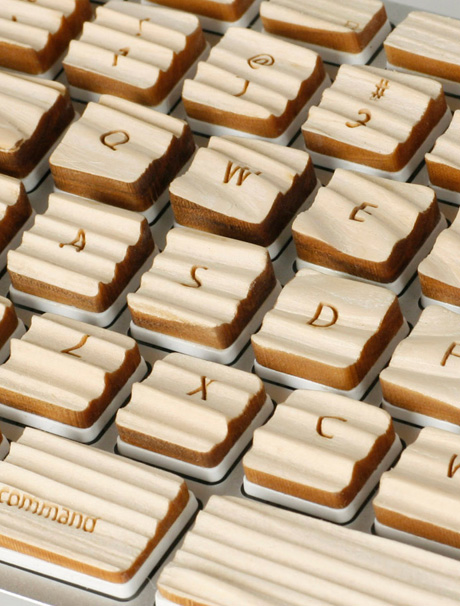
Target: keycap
79,257
243,188
253,84
202,289
10,327
15,212
36,33
88,517
138,151
348,27
321,454
224,10
368,227
241,552
443,163
427,43
422,377
68,377
327,330
192,416
378,119
418,497
438,272
136,52
33,112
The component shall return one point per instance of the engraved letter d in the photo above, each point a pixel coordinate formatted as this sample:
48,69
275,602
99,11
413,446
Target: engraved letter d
316,320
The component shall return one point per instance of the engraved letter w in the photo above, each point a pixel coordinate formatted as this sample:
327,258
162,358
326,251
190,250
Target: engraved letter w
242,171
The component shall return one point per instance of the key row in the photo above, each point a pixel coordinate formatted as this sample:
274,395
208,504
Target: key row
86,256
150,38
103,521
126,154
322,332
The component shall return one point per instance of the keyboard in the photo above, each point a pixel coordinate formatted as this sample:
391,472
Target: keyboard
20,587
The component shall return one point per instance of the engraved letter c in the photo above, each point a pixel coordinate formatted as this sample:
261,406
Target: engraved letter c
319,426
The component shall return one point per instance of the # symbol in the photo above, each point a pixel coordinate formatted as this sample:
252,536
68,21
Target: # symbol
261,60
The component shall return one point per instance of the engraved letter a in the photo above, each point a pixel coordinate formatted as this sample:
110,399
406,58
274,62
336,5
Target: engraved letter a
450,352
332,315
452,470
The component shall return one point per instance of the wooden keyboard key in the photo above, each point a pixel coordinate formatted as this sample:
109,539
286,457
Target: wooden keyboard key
243,188
192,416
68,377
123,154
327,332
85,516
321,454
79,257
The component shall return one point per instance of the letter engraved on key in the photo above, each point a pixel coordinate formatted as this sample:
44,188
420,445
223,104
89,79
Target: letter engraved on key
245,88
123,52
353,215
79,345
79,242
242,171
141,21
203,388
452,470
352,25
56,513
113,144
317,322
319,426
194,277
363,121
450,352
261,60
380,89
